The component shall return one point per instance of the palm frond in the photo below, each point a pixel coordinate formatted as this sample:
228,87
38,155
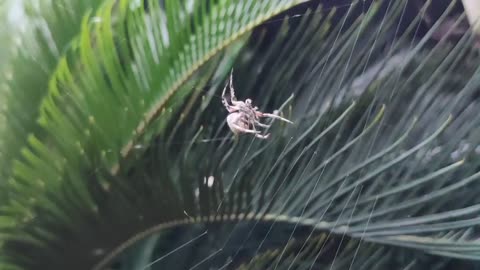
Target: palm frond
382,153
51,26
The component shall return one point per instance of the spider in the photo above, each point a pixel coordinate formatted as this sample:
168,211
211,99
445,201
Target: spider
243,117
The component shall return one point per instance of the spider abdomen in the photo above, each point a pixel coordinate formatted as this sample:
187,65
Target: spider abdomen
237,119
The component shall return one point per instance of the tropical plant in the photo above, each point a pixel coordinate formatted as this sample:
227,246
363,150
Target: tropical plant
115,153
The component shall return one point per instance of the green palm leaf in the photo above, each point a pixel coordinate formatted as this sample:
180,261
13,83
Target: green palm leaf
51,26
379,165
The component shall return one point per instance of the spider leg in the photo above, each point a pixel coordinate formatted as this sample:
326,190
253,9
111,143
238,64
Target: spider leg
261,124
230,108
232,90
244,130
260,136
233,98
224,98
225,103
237,104
274,116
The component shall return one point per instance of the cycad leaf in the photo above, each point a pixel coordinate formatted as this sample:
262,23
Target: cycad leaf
51,26
367,152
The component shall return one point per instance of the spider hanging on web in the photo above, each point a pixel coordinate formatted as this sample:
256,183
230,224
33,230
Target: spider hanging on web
243,117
